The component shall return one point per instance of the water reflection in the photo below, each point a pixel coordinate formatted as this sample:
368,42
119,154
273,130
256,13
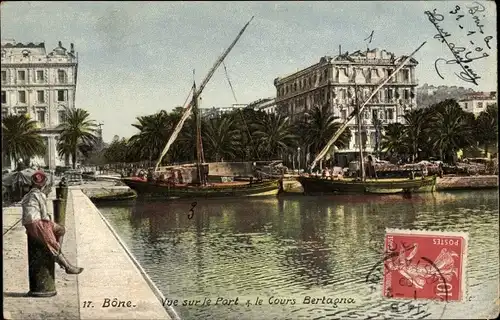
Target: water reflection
293,247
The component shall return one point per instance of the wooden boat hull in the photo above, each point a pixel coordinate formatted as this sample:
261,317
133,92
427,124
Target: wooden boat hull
114,197
158,190
380,186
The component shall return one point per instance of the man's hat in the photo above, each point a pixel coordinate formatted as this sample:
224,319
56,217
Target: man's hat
39,178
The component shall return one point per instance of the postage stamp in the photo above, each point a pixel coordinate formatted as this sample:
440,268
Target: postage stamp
425,265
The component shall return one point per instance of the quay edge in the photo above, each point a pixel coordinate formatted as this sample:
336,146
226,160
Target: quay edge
144,284
447,183
467,183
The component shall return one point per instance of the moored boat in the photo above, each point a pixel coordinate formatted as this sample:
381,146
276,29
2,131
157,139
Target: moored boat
124,196
209,190
315,185
191,180
361,185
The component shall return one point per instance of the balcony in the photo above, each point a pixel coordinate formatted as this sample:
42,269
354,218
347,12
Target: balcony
41,125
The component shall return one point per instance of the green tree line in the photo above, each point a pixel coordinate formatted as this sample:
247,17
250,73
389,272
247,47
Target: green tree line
439,131
240,135
22,139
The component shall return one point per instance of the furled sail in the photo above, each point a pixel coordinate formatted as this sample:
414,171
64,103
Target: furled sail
188,110
351,116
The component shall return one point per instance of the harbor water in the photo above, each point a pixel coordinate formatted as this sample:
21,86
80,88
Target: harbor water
283,250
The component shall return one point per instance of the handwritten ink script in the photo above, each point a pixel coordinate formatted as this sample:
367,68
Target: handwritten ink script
370,37
476,43
191,211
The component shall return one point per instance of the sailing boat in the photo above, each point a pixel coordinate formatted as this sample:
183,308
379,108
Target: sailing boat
190,181
361,185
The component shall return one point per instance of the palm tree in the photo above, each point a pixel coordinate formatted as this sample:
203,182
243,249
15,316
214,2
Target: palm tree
317,127
274,136
21,139
450,129
154,131
77,133
245,120
221,138
394,140
487,128
416,121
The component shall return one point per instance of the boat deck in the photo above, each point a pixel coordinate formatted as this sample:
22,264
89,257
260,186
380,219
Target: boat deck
367,179
211,185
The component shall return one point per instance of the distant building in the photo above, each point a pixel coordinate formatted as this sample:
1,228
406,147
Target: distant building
217,111
39,85
427,89
478,101
268,105
428,95
332,82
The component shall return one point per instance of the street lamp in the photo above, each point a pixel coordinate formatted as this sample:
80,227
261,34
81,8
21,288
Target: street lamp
298,158
99,132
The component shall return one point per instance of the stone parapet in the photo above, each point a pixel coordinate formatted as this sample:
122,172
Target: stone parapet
467,182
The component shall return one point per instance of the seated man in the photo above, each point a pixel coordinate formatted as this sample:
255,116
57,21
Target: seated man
39,224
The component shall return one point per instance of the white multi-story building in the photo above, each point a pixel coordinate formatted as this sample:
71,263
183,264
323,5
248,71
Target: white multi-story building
268,105
478,101
333,81
217,111
39,85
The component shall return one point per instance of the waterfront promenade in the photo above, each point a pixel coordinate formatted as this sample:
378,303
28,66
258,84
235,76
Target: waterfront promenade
110,273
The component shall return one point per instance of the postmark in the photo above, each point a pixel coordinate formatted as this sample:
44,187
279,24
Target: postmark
426,265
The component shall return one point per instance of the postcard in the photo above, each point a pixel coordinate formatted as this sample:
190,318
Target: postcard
250,160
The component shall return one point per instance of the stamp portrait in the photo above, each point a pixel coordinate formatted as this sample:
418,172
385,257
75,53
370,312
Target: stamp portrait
425,265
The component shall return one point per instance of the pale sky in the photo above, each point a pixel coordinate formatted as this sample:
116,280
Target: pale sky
136,58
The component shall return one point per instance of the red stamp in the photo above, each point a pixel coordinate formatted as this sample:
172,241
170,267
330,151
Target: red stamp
425,265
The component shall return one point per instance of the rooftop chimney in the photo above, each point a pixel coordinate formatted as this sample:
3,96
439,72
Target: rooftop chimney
72,48
60,44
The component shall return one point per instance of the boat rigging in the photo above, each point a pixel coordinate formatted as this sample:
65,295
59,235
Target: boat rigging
358,110
196,93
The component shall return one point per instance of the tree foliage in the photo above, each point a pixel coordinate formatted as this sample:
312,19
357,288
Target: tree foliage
440,131
21,139
77,134
241,135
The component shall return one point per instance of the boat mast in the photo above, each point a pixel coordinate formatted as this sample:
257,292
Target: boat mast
353,114
197,93
360,141
199,145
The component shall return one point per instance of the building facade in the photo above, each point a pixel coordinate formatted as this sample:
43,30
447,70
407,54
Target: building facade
268,105
215,112
333,81
477,102
41,86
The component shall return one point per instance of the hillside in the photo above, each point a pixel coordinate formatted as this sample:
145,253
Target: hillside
428,95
